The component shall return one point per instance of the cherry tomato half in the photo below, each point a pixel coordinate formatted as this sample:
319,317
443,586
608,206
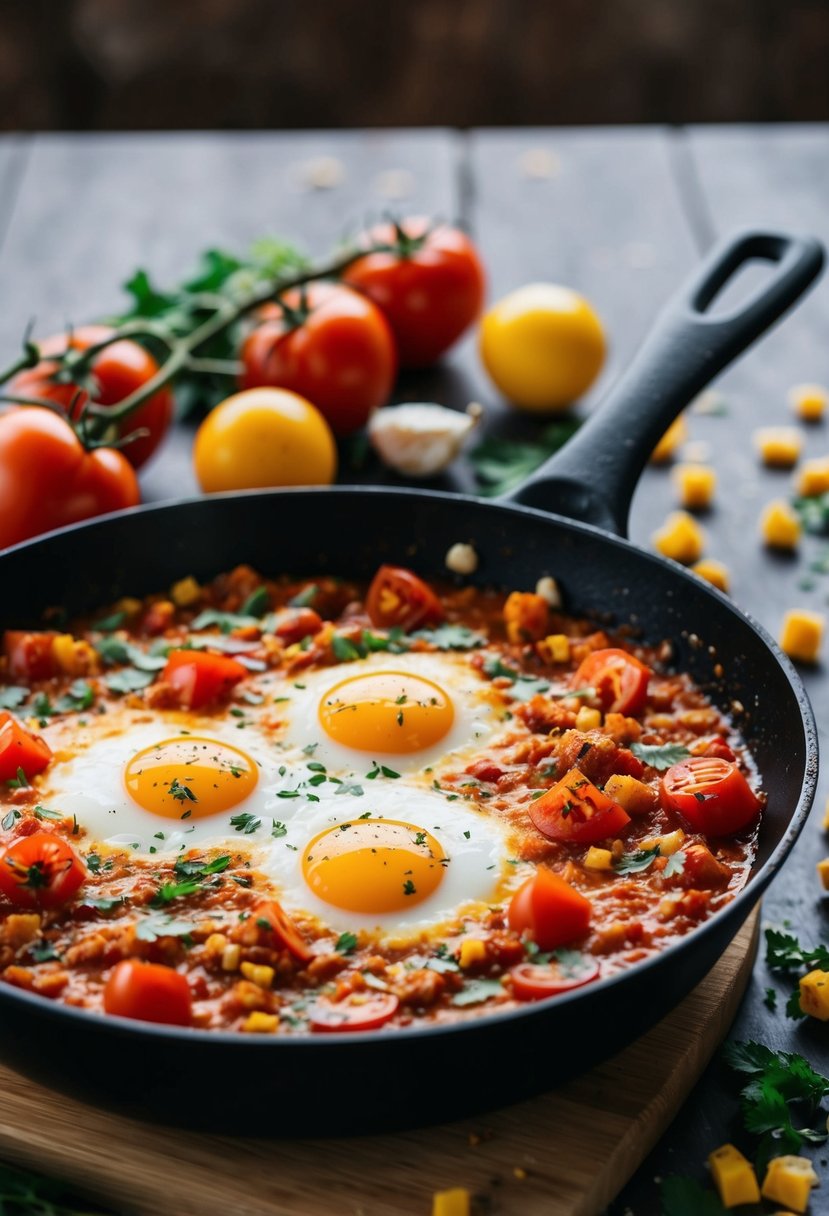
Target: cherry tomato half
354,1012
148,992
30,655
48,480
20,749
549,910
40,871
535,981
398,598
330,345
711,794
620,680
200,678
119,370
576,810
430,285
272,918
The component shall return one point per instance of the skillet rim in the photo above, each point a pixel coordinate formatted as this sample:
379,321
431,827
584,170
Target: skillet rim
743,901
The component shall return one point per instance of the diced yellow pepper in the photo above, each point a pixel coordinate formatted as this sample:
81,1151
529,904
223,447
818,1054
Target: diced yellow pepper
129,605
814,995
733,1176
779,447
598,859
789,1180
780,525
258,973
557,646
714,572
673,438
185,592
681,538
471,952
74,657
695,485
823,872
451,1203
632,795
670,843
588,718
809,401
825,824
802,634
258,1022
813,477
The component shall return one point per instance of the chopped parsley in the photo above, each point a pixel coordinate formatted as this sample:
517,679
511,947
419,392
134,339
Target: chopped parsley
257,603
12,696
343,649
181,793
660,756
245,822
346,943
278,829
304,598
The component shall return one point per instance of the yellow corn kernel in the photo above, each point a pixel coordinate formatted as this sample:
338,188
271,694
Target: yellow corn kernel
471,952
129,606
451,1203
779,447
216,943
588,719
813,477
780,525
681,538
670,843
814,995
258,974
230,958
825,824
789,1180
733,1176
809,401
695,485
801,635
185,592
260,1023
714,572
598,859
632,795
823,872
557,646
673,438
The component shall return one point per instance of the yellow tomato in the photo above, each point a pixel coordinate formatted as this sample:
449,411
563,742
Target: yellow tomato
264,437
543,346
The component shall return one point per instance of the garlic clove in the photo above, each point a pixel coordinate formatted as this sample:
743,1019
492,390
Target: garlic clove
420,439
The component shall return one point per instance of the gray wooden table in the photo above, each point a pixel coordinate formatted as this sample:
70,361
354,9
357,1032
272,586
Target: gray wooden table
620,214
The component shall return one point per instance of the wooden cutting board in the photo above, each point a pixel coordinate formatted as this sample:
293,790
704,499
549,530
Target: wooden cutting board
567,1153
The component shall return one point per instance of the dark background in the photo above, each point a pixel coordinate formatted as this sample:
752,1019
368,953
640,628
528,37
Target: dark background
225,64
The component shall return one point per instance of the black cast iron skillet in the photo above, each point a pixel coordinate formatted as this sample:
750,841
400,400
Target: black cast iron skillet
339,1084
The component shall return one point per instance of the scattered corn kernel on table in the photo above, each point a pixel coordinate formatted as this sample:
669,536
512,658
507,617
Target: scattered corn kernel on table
621,215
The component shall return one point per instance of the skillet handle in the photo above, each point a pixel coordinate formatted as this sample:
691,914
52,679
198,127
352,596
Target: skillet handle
593,477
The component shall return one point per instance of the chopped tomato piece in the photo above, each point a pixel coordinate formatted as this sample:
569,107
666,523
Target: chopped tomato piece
294,624
354,1012
485,770
711,794
620,680
272,918
40,871
718,747
576,810
534,981
200,678
20,749
148,992
30,655
701,868
397,597
549,910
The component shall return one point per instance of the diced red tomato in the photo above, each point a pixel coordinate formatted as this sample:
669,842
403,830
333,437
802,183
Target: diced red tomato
397,597
620,680
200,678
701,868
355,1012
549,910
534,981
148,992
30,655
294,624
485,770
274,921
718,747
20,749
40,871
576,810
711,794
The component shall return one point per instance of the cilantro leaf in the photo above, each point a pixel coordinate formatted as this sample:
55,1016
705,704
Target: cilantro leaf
344,650
452,637
12,696
686,1197
154,925
257,603
660,756
785,953
109,624
245,822
81,696
200,869
304,598
346,943
225,621
500,464
475,992
636,862
129,679
676,864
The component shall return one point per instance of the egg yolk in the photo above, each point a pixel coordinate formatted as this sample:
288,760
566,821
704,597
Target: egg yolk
386,711
190,777
379,865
